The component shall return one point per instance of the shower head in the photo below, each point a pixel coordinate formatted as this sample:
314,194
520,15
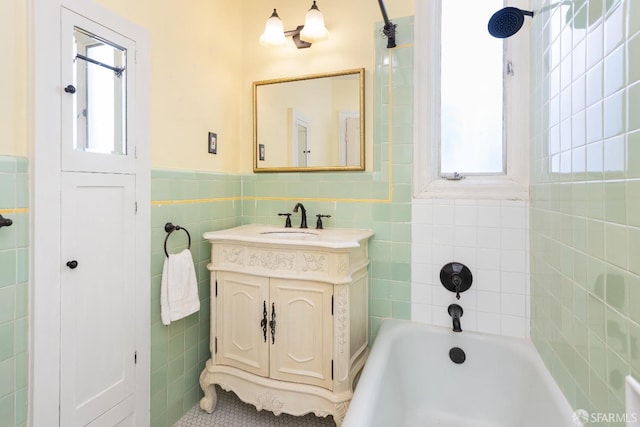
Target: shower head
506,22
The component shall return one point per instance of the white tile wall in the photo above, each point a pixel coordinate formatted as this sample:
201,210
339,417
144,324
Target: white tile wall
491,237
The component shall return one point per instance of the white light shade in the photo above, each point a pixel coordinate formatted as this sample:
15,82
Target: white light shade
273,31
314,29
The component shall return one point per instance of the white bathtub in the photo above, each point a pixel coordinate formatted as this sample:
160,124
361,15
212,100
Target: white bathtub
409,380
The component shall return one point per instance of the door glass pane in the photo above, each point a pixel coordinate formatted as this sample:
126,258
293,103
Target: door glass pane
100,100
471,89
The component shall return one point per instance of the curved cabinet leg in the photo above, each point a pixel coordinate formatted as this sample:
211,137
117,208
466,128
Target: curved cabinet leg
340,412
210,399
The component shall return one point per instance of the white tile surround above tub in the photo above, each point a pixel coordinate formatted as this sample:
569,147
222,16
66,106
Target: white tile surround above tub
491,237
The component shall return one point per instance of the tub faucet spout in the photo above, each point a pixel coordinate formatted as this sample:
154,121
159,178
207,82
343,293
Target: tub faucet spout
303,222
455,311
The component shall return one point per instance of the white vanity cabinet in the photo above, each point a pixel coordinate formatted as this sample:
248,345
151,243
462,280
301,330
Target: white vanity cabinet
288,318
277,328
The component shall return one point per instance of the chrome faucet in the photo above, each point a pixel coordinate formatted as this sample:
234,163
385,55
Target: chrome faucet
303,223
455,311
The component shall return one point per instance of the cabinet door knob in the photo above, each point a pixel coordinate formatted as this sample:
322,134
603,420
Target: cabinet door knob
70,89
72,264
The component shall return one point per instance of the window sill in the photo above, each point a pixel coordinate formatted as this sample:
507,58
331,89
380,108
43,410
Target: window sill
474,187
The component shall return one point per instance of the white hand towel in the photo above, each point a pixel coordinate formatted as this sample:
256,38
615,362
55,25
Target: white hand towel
178,287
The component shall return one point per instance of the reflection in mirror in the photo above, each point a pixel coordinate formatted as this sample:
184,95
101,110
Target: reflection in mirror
300,145
100,101
309,123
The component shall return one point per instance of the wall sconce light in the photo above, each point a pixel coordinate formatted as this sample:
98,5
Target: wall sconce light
312,31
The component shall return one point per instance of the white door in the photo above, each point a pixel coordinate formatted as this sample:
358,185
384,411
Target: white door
349,138
299,135
353,141
98,225
97,346
90,167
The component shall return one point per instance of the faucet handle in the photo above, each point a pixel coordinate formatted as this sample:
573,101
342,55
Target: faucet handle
287,223
319,223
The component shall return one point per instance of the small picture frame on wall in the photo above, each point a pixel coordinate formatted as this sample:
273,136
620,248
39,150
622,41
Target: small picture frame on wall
261,152
212,143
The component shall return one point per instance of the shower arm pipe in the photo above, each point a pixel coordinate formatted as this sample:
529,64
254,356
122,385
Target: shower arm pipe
389,29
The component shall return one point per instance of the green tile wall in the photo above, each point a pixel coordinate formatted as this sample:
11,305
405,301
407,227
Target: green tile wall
198,202
14,247
585,204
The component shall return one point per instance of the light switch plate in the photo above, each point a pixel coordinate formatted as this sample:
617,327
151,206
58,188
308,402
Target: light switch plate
212,143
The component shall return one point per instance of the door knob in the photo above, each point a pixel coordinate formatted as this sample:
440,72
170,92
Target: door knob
70,89
72,264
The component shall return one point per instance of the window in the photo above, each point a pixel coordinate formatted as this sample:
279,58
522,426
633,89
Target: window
471,90
472,103
100,102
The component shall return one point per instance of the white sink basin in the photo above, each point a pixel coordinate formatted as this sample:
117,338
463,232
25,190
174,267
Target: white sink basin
260,233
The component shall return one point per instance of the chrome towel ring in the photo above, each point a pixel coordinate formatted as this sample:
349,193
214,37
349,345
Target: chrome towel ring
170,228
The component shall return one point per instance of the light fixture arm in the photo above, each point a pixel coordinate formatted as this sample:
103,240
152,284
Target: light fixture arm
295,36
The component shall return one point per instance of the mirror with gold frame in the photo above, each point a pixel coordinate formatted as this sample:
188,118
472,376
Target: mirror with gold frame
309,123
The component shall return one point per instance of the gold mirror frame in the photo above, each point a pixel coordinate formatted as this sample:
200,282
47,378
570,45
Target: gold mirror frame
261,147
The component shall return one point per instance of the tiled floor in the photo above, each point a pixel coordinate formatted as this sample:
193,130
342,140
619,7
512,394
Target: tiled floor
232,412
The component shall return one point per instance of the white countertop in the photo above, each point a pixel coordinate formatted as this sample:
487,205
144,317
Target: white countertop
337,238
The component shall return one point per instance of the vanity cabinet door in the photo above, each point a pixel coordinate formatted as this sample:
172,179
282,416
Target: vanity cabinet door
302,347
239,312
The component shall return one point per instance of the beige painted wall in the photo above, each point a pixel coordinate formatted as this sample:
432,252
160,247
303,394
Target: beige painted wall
196,63
13,78
204,59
